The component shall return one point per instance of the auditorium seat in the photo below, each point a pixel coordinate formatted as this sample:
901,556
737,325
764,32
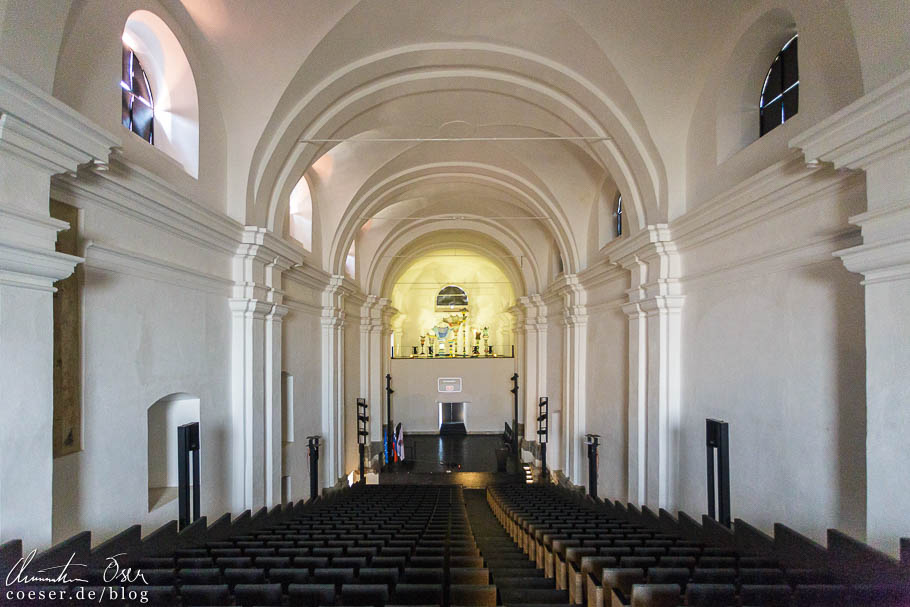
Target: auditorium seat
714,576
264,595
655,595
373,595
288,576
765,595
159,577
472,595
196,577
423,575
711,595
819,595
761,576
199,596
311,595
245,575
418,594
469,575
663,575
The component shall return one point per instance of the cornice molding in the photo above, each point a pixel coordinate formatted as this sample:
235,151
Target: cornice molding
135,193
137,265
601,273
879,261
47,132
817,250
23,227
34,268
308,276
783,186
302,306
874,126
264,244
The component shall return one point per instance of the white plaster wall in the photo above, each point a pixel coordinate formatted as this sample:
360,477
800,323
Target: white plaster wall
164,417
26,504
773,343
608,387
554,366
21,50
301,357
143,339
485,384
351,385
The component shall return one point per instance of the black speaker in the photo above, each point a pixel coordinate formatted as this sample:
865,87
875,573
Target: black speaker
187,448
717,447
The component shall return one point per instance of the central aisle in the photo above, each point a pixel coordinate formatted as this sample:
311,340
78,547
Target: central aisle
516,577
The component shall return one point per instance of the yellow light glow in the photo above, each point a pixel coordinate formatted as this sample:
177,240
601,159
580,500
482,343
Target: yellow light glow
490,295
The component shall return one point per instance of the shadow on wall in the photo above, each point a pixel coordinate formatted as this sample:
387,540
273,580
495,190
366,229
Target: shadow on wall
849,341
164,416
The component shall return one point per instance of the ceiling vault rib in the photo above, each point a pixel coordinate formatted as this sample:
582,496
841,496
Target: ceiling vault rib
450,139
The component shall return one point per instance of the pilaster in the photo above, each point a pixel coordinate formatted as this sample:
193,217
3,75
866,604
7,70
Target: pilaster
375,330
257,311
333,325
873,135
574,359
655,302
39,137
533,357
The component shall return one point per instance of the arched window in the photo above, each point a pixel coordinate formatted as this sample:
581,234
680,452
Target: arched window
154,61
618,214
301,210
780,93
137,105
451,297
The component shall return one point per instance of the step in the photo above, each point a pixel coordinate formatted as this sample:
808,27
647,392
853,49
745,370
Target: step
524,582
518,572
541,596
523,563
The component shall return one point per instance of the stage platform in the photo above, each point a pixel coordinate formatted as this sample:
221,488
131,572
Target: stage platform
468,460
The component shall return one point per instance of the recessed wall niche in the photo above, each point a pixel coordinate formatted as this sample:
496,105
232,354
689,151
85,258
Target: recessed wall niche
164,416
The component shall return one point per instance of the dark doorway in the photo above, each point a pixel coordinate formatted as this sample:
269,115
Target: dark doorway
452,419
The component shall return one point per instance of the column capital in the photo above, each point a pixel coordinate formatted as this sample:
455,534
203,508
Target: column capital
251,308
375,313
574,299
333,297
652,258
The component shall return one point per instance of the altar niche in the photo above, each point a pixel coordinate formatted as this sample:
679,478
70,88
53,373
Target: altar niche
452,418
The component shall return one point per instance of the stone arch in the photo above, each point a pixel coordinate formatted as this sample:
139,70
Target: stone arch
628,154
372,198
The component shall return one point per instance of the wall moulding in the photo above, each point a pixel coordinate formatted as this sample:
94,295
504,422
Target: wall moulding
114,259
778,189
140,195
47,131
871,128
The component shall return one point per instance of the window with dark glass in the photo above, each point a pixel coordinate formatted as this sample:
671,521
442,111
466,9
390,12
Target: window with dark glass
780,93
137,105
452,296
619,215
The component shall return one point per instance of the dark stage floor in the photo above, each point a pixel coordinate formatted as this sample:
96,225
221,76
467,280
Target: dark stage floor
468,460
